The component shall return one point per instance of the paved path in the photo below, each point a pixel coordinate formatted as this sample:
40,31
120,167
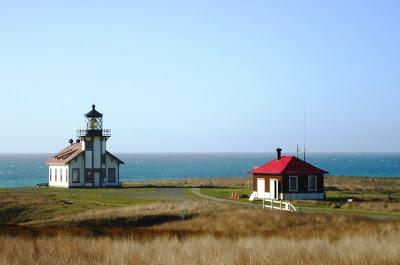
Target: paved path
197,192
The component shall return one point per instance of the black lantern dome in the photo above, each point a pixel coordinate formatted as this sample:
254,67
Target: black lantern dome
93,113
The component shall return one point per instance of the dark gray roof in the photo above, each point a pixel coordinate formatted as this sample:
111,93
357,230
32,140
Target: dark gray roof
93,113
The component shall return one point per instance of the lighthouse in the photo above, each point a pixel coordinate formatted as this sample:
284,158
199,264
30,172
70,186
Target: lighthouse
86,162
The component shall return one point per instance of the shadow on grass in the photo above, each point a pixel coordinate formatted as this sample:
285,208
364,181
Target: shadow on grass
133,222
12,214
139,228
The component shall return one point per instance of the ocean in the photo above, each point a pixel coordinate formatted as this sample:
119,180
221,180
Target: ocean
19,170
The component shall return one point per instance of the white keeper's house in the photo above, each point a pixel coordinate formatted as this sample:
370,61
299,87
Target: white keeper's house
86,162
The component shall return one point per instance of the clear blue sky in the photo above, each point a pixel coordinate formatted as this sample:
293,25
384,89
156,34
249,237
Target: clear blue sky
202,76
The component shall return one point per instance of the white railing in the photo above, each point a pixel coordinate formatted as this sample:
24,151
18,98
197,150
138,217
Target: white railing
278,205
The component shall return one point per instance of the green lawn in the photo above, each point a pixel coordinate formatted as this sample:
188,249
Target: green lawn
27,204
223,193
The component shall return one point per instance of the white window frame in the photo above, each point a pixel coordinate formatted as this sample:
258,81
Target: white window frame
315,183
297,183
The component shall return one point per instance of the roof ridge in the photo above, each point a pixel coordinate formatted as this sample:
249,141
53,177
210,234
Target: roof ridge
287,165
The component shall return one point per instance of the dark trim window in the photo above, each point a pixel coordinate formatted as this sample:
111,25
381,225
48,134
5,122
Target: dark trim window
75,175
66,175
111,175
61,175
55,173
293,183
50,173
312,183
89,145
89,177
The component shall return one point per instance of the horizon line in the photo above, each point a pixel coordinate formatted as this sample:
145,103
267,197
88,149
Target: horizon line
221,152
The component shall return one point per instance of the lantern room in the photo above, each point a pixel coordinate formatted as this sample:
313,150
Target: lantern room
94,119
94,125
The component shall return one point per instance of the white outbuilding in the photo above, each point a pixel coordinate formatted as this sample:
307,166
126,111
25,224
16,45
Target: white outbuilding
86,163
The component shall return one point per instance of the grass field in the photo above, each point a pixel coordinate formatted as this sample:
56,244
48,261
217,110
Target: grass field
21,205
165,223
214,233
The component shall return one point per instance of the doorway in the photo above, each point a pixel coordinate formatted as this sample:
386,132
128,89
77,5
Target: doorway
96,179
261,188
274,189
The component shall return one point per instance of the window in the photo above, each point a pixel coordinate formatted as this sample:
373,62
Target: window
66,175
50,176
111,175
312,183
89,145
89,177
75,175
60,175
293,183
55,173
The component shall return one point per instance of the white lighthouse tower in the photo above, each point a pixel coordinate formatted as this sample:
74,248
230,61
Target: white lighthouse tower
86,163
94,140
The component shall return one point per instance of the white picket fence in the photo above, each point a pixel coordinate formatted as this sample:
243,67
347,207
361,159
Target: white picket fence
278,205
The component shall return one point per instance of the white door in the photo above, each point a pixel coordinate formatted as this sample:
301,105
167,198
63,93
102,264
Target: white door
96,179
260,188
273,189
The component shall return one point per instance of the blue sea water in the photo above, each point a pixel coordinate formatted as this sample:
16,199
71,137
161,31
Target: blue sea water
19,170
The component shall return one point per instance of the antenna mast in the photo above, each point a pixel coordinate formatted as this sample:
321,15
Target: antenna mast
304,152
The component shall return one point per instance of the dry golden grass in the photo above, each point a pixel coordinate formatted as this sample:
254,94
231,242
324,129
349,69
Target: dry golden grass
63,250
215,234
374,206
209,218
362,183
236,222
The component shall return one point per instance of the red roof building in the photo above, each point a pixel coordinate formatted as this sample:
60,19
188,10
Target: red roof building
288,177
